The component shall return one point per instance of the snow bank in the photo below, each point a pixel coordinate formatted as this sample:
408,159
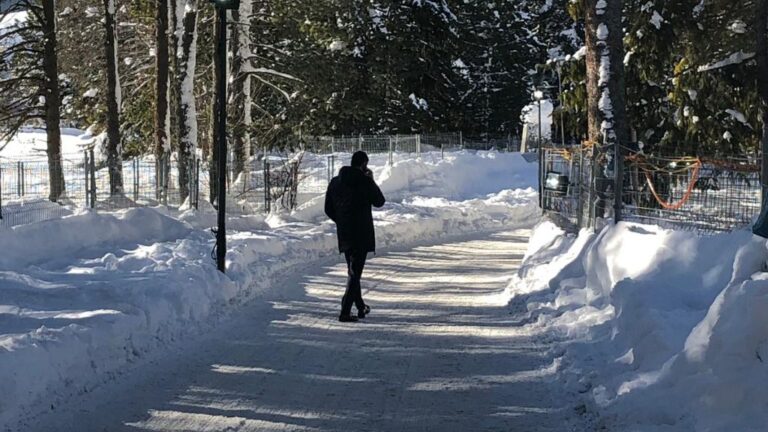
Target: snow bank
458,177
32,143
85,296
530,116
667,330
60,240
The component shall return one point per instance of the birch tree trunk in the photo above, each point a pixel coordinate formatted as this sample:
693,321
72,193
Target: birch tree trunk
240,53
186,31
114,150
52,102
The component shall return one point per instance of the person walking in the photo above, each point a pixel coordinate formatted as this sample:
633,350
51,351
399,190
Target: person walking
348,203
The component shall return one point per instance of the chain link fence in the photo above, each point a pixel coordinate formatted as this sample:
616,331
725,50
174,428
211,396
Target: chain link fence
706,194
268,181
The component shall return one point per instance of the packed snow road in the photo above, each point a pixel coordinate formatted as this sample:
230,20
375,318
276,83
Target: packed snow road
440,351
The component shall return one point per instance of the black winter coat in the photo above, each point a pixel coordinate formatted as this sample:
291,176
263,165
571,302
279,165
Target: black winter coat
348,202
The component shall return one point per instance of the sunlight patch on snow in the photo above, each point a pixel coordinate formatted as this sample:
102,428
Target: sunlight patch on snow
476,382
177,421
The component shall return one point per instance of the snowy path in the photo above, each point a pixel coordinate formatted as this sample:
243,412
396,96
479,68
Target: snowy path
439,352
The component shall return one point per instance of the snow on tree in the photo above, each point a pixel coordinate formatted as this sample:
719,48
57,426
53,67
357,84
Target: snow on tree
186,56
605,72
240,84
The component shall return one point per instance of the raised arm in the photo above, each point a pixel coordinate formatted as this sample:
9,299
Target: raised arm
375,196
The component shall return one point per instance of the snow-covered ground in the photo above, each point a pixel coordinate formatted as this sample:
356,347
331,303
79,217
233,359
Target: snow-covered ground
31,144
439,352
663,330
87,295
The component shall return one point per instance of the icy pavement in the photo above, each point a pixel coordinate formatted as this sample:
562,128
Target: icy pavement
440,351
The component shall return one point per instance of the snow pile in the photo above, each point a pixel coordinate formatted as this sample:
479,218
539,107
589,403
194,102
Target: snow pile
530,116
461,176
31,143
667,330
85,296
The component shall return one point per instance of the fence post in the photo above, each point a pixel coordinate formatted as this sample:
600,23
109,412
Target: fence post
191,179
92,172
197,183
1,192
136,181
294,185
331,167
360,142
618,189
391,147
20,178
267,186
541,178
442,152
461,140
157,179
418,145
580,185
85,170
333,145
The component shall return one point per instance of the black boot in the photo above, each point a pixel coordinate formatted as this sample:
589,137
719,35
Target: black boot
347,318
365,311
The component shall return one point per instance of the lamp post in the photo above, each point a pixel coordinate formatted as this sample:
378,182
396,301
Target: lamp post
560,99
539,95
221,86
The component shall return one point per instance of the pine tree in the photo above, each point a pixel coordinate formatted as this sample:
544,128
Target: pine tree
761,45
162,70
114,101
29,79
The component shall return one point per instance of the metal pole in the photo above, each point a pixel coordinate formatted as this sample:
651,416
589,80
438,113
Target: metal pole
267,188
19,179
1,192
136,180
85,166
541,178
539,123
580,185
92,171
197,184
418,145
562,110
221,52
618,189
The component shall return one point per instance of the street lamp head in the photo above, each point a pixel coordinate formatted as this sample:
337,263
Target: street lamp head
226,4
538,95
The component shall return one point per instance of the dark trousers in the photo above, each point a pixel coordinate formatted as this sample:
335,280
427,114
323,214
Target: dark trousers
354,294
